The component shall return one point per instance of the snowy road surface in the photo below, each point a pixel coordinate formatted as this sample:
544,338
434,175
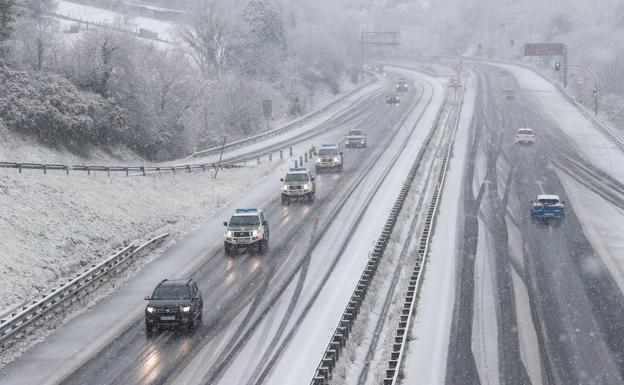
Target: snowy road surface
256,306
536,303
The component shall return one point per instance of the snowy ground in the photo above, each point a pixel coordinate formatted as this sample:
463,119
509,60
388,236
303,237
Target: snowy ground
166,30
54,225
430,331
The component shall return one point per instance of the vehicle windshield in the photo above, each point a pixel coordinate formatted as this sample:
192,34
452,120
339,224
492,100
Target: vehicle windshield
327,152
298,177
244,220
525,131
548,201
355,133
171,292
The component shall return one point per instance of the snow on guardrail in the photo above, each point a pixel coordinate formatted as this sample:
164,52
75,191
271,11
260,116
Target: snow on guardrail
27,315
339,338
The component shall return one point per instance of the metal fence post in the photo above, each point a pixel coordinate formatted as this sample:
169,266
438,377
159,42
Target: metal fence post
305,157
301,160
296,164
108,171
189,168
19,166
45,169
143,170
270,157
291,151
258,159
281,155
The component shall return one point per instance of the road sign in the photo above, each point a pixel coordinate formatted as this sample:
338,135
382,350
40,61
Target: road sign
544,49
267,107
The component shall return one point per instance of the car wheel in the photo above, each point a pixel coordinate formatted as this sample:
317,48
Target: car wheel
285,201
229,250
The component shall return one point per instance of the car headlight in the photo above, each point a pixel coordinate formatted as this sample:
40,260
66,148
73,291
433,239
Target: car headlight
318,160
185,309
305,186
284,188
228,234
335,159
149,309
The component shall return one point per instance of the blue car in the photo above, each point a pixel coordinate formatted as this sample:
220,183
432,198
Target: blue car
546,207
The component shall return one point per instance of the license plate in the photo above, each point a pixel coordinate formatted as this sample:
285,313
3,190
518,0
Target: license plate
168,318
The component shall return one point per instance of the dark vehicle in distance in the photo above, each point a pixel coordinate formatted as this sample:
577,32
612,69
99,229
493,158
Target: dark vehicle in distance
355,138
393,99
175,302
401,85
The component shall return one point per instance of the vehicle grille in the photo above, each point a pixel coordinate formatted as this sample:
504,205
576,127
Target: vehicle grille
166,311
291,188
242,234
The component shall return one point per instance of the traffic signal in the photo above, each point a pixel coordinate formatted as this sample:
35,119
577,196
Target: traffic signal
594,92
557,66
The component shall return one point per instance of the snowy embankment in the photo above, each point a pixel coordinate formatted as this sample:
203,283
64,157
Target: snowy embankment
53,225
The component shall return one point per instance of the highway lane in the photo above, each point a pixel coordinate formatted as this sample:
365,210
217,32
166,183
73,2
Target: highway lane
574,310
234,288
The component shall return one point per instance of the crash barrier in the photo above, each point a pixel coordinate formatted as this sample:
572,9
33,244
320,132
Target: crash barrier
281,130
22,319
397,353
128,170
338,341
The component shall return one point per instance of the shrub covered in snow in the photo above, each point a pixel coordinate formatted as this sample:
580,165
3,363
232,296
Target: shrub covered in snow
55,111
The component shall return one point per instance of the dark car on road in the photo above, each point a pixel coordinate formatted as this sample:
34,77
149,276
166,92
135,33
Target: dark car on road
393,99
174,302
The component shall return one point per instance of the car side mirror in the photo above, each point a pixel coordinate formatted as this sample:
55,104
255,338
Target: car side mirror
147,298
225,223
313,179
562,202
341,154
265,223
281,179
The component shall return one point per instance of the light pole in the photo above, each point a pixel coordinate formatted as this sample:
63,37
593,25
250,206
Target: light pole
594,78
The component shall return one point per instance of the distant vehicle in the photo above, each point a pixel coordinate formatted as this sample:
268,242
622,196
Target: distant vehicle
246,229
524,135
393,99
401,85
329,157
546,207
298,185
176,302
509,94
355,138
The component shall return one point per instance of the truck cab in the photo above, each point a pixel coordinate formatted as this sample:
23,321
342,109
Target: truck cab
246,229
298,184
355,138
329,158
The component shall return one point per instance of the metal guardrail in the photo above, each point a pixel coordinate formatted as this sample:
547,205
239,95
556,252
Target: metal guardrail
280,130
18,321
341,334
414,284
134,170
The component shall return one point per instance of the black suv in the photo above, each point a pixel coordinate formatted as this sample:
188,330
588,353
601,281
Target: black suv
175,302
